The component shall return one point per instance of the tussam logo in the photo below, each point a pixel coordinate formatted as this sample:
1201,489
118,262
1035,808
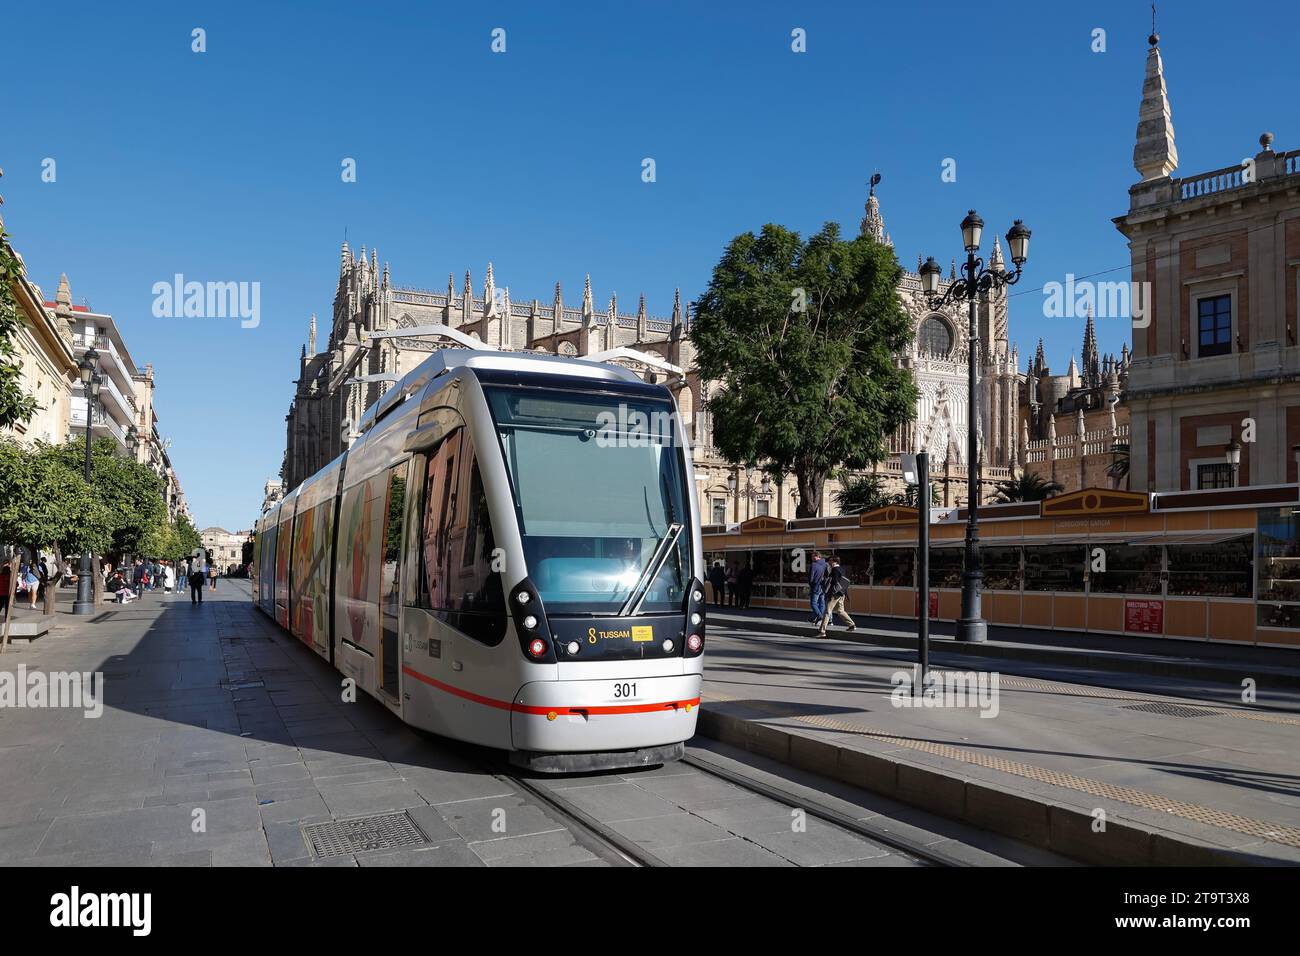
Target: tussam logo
70,689
74,908
208,300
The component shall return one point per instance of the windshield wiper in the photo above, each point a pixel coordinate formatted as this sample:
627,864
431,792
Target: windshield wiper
634,600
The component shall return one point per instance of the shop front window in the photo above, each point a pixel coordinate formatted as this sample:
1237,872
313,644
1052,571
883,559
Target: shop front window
1278,550
1130,569
894,568
1222,569
1056,567
946,565
1001,568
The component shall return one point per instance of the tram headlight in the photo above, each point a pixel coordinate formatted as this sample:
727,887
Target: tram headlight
668,647
537,647
530,622
694,643
573,647
696,619
523,597
697,596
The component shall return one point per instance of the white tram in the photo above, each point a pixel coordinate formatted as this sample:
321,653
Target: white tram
509,555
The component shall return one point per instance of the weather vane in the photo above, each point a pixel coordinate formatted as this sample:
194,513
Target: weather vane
874,182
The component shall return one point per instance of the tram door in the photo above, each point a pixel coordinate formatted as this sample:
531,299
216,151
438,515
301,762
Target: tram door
390,598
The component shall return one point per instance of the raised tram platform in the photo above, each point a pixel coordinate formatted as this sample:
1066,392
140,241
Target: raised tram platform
1180,770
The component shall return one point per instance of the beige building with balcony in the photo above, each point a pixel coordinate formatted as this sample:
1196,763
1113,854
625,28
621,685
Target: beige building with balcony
1216,361
48,366
115,410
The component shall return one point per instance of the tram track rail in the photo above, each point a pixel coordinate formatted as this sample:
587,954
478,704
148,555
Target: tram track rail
631,853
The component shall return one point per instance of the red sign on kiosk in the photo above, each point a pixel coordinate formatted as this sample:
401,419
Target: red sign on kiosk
916,604
1144,617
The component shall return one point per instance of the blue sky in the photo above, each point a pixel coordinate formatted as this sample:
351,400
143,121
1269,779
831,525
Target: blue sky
225,165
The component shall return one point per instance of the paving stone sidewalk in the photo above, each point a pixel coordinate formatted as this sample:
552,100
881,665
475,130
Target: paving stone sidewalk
1226,774
208,708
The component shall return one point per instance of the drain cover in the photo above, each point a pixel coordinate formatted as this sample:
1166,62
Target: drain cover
242,684
363,833
1172,710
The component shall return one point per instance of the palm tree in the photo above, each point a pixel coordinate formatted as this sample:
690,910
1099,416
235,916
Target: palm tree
861,493
1027,487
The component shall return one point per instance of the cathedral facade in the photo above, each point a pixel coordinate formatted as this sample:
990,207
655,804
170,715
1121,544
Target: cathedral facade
352,369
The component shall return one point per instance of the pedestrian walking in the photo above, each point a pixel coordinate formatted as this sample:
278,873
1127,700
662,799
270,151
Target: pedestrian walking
169,577
137,577
31,583
212,577
6,581
817,587
837,590
731,584
196,582
718,578
744,586
43,572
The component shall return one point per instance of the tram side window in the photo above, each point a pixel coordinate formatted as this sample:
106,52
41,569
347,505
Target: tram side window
459,567
389,580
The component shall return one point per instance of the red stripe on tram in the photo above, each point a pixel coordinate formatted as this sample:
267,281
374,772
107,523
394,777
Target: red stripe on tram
530,709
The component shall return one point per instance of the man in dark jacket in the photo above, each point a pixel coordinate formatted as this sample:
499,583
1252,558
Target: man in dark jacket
718,578
837,591
137,578
744,586
817,587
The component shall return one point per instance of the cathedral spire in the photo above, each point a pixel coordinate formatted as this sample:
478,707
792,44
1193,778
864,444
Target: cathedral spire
451,287
311,335
642,322
1091,364
676,332
1040,359
345,258
873,224
995,261
1154,154
557,308
587,310
489,293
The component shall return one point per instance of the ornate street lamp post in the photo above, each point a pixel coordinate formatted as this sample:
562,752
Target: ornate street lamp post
975,280
88,369
1232,453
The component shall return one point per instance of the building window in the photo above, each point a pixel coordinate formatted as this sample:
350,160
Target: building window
762,506
934,336
1217,475
1214,317
719,511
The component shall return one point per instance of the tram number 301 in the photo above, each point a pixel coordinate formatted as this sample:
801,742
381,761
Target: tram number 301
625,690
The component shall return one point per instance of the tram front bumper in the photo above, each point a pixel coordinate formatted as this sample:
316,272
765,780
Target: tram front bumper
582,716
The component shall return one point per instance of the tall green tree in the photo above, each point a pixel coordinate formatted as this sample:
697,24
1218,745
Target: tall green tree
801,337
47,503
188,538
129,491
15,404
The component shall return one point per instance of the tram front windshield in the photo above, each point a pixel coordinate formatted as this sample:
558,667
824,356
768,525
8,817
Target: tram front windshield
598,484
